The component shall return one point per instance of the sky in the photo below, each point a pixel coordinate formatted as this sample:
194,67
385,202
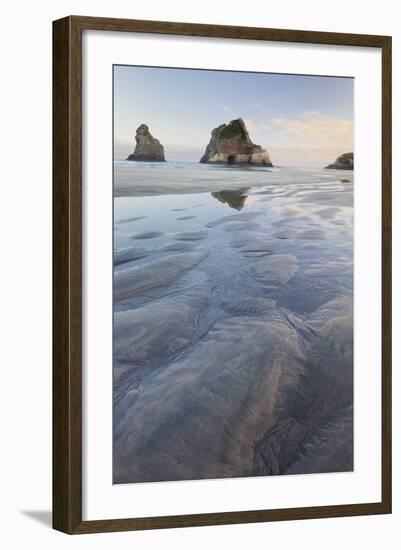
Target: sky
300,120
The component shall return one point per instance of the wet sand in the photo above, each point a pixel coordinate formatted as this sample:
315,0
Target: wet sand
233,323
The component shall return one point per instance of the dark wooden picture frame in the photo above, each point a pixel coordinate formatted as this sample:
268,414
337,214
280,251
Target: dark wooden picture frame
67,274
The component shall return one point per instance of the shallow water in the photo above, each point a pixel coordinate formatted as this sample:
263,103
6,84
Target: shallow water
233,322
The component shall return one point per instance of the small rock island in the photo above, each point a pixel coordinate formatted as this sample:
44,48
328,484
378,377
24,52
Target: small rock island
343,162
231,144
148,148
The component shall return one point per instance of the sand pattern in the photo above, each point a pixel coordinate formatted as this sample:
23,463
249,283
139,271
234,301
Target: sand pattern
233,326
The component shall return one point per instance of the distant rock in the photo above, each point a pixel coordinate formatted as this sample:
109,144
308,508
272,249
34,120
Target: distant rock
231,144
148,148
343,162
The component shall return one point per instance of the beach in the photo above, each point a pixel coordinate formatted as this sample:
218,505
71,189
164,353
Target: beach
233,321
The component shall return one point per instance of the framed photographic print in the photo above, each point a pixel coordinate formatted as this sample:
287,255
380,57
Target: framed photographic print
222,274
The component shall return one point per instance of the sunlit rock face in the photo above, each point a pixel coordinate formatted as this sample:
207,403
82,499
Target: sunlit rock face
343,162
148,148
231,144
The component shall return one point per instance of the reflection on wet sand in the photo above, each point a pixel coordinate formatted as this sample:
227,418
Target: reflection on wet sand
233,331
234,199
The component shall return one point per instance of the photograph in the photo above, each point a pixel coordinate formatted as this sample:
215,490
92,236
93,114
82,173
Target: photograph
232,274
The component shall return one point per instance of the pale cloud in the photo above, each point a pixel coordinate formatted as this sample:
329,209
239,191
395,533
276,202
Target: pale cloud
250,125
227,108
310,114
312,130
311,138
302,156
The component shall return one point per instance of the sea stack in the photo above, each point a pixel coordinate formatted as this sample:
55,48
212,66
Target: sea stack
148,148
343,162
231,144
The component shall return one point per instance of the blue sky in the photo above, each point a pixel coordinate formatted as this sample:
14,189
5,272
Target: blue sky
301,120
